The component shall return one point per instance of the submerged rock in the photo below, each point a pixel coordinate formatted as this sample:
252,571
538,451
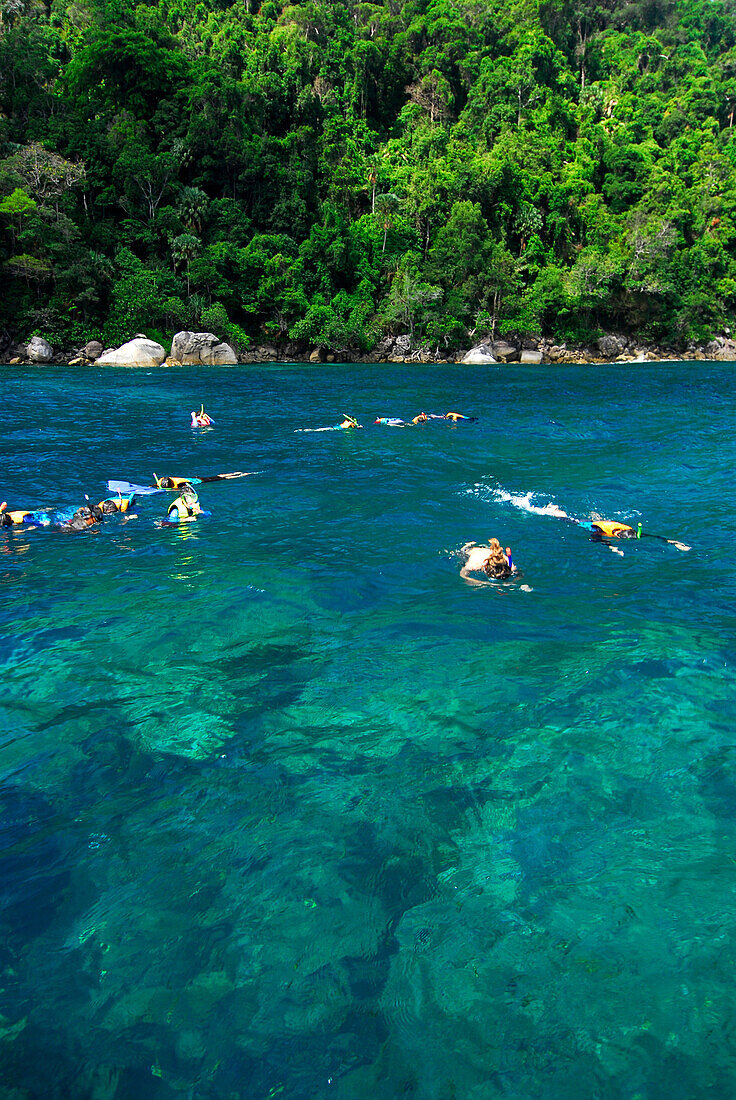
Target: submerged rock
140,352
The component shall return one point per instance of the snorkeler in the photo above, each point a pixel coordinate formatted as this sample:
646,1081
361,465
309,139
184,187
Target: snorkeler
390,421
39,517
420,419
348,422
201,419
122,504
454,417
185,507
9,519
490,560
84,517
601,529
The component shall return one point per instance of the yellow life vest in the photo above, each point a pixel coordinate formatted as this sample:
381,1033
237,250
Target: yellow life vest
183,510
611,527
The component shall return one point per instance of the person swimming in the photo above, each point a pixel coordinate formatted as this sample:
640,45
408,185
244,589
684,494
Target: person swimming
84,517
490,560
390,421
348,422
39,517
421,418
454,417
603,529
15,516
201,419
176,482
185,507
122,504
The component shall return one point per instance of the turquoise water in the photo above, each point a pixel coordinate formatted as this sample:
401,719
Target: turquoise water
289,810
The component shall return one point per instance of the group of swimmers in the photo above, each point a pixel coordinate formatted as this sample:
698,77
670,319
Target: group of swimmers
492,560
498,564
349,422
70,519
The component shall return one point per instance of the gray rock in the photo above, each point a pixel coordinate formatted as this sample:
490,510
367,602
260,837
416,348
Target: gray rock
193,348
530,356
382,349
223,356
92,350
611,346
402,345
726,351
504,351
39,350
315,356
140,352
479,356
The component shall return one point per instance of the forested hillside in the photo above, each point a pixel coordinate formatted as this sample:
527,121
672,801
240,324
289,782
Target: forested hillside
331,172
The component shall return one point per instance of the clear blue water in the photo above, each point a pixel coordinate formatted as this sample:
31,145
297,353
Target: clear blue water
289,810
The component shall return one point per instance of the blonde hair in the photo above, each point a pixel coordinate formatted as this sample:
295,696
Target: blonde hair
496,564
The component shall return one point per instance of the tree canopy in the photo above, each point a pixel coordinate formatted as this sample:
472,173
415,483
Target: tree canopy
337,172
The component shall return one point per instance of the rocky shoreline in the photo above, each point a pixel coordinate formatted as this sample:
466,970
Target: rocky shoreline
206,349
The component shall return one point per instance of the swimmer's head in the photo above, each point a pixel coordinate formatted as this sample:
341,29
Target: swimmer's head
189,497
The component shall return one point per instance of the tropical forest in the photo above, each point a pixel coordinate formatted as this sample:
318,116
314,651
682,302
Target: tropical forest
332,173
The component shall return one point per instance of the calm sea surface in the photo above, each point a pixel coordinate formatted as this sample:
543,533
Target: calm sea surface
287,809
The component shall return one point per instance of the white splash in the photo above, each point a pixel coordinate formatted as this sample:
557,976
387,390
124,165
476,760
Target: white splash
524,501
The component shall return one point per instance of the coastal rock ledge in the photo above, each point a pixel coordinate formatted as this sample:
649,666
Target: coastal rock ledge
139,352
195,348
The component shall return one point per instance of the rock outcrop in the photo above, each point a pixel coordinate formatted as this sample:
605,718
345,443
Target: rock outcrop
530,356
611,346
93,350
504,351
39,350
479,356
140,352
722,349
193,348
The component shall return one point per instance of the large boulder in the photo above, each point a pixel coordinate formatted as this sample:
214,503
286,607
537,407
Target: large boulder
529,355
93,350
504,351
140,352
39,350
611,346
192,348
402,345
479,356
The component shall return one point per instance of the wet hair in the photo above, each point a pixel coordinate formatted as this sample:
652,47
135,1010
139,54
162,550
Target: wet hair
109,506
497,566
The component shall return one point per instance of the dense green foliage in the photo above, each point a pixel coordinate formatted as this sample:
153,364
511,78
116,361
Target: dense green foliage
332,172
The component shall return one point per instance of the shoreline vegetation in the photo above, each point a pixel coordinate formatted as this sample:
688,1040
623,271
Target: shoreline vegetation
395,180
206,349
